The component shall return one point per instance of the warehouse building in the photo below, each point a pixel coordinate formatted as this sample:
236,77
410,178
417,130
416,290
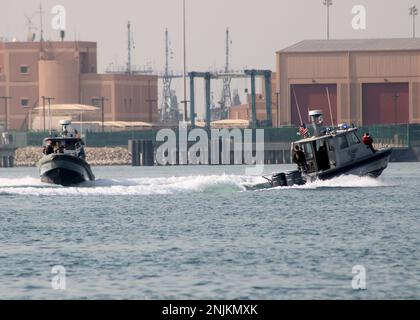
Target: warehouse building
67,72
366,81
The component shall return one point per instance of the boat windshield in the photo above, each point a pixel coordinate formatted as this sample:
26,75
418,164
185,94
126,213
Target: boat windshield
354,139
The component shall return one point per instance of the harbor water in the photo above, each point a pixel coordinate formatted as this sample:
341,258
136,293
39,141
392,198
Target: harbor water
196,233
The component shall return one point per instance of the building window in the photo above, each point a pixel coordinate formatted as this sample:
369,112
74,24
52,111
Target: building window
24,102
24,69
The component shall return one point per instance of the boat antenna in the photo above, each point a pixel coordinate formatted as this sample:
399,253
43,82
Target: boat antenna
329,105
297,104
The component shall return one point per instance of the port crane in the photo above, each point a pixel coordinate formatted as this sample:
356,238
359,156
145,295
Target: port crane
253,74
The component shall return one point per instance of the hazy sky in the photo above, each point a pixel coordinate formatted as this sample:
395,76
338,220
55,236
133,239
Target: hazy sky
258,27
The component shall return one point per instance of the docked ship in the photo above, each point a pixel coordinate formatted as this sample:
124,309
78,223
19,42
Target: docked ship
330,153
64,161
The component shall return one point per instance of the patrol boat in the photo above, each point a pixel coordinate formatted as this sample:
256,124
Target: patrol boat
66,165
330,153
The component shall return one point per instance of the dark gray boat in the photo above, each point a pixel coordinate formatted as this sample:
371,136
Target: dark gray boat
65,166
330,153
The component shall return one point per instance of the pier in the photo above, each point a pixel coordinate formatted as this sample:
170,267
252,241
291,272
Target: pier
143,154
7,151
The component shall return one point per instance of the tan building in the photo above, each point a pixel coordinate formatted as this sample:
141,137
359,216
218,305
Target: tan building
369,81
67,71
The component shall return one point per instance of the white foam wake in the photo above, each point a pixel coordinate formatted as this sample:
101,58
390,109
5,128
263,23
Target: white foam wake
20,182
168,185
141,186
346,181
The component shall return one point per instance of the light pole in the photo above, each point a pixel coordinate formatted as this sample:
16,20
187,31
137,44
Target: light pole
102,100
150,101
414,12
278,108
44,98
328,4
6,112
185,63
396,96
43,113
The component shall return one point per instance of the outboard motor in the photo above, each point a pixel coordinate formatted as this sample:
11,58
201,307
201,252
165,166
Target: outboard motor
294,178
288,179
279,180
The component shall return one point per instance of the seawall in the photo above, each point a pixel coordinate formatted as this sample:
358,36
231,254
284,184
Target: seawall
116,156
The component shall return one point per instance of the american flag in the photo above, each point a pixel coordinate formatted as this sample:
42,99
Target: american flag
303,131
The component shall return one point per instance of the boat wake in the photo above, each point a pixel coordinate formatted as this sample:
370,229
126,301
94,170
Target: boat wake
168,185
140,186
347,181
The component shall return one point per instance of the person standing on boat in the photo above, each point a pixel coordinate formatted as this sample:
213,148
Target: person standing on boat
367,140
299,158
48,149
322,158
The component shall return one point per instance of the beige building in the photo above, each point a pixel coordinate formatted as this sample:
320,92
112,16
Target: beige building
370,81
67,71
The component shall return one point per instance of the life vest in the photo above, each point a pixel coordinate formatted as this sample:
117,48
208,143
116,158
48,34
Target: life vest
367,140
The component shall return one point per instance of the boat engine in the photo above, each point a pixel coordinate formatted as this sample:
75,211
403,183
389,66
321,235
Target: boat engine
287,179
279,180
294,178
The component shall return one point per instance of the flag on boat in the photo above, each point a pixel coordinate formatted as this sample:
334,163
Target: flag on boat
303,131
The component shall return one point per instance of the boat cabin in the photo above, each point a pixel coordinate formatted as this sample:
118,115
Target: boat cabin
331,148
70,146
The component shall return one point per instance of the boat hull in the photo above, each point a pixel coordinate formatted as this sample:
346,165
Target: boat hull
65,170
371,166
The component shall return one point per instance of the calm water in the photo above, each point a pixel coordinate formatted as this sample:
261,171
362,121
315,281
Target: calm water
193,233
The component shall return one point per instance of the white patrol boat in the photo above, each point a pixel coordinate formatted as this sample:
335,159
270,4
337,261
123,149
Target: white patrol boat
64,160
329,153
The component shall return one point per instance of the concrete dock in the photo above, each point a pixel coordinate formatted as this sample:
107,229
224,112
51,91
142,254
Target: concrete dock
7,156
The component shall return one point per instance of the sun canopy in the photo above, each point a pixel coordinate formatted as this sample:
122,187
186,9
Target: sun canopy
68,108
230,124
116,124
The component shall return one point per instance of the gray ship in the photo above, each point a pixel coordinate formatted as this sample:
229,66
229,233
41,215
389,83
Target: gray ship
64,160
330,153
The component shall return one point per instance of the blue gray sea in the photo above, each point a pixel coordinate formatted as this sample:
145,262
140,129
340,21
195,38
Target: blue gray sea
196,233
